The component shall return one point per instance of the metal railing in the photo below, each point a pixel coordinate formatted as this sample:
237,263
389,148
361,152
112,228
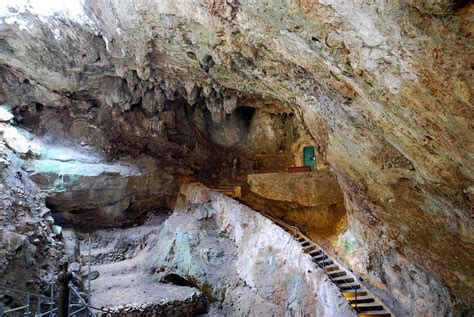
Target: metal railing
297,232
38,305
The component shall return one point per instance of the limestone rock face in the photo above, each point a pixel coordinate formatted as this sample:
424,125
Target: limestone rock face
15,140
311,189
384,86
242,260
5,115
87,192
312,200
29,249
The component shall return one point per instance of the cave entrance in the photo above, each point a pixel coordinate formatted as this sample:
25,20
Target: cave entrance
268,161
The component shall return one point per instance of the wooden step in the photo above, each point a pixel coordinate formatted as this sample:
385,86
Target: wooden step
362,299
337,273
326,262
375,313
320,257
349,286
331,268
351,294
315,253
369,307
308,249
343,279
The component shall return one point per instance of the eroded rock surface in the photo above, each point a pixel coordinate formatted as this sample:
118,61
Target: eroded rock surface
384,87
87,191
242,260
120,257
311,200
29,248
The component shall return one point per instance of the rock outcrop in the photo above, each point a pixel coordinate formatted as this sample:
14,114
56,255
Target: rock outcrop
384,87
86,191
30,250
119,257
242,261
311,200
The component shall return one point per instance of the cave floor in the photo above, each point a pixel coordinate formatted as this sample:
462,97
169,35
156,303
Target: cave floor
121,277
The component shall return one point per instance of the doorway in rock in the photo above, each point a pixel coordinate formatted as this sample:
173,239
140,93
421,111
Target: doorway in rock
309,157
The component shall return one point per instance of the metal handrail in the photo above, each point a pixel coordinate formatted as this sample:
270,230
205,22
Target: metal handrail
296,232
28,303
15,309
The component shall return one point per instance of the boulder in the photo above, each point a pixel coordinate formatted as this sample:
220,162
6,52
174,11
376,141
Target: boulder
5,115
15,140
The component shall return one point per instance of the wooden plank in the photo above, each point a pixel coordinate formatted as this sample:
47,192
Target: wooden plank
298,169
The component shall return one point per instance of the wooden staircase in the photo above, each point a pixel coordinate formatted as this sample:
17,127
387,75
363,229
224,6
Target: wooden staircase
360,299
358,296
234,191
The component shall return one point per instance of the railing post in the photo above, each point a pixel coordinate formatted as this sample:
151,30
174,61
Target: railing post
51,300
27,304
63,291
2,310
89,273
38,307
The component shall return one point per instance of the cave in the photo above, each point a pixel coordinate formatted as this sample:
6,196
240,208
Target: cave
237,158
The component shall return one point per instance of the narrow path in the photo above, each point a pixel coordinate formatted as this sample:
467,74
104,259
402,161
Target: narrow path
124,280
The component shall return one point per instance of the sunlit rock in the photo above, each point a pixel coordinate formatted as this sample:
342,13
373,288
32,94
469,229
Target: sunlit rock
5,115
382,90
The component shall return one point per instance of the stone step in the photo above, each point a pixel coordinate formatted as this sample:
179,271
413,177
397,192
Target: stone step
305,244
315,253
326,262
337,274
319,257
376,314
308,249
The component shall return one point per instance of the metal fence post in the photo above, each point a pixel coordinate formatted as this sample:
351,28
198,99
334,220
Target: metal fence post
38,307
89,273
63,291
51,300
27,304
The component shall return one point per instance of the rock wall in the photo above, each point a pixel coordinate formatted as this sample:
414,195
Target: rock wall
88,192
241,260
119,260
313,201
30,250
383,86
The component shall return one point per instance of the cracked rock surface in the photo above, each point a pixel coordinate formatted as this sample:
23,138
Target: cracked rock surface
383,87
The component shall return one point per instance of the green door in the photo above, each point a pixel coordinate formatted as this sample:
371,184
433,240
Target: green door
309,159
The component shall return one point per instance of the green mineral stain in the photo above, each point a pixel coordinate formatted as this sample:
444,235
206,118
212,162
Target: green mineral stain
74,168
296,289
58,185
349,246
